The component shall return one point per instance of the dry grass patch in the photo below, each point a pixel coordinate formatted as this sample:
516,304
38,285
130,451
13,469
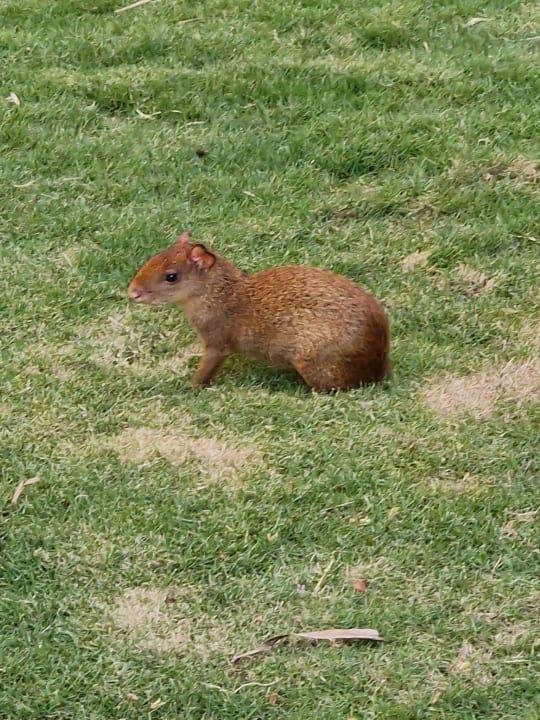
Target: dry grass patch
522,169
530,333
419,258
511,530
467,281
468,484
48,357
513,633
68,258
6,411
164,621
479,392
370,571
473,662
215,459
120,342
87,552
114,341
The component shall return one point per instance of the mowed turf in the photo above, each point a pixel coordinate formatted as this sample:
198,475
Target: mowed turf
394,142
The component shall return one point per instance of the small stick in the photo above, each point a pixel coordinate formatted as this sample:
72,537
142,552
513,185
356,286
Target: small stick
327,569
137,4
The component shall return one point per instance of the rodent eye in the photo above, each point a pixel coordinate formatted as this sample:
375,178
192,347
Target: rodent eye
171,277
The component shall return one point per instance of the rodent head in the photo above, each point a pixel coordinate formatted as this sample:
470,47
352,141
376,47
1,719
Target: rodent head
174,275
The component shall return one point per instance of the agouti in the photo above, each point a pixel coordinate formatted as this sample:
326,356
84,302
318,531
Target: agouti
332,331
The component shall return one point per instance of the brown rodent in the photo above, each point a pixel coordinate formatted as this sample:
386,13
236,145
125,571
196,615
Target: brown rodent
332,331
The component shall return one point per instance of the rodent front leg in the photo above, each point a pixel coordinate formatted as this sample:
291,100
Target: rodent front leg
211,361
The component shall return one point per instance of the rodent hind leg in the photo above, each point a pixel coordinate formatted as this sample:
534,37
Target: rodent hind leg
319,376
211,361
329,374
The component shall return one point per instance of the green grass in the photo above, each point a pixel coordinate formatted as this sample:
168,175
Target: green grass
345,135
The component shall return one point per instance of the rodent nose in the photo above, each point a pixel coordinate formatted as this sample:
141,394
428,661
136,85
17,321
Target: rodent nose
135,293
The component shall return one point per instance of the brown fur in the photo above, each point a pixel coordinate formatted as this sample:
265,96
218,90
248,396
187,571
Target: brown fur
332,331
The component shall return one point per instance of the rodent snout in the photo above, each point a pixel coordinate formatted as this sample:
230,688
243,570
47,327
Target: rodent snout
135,293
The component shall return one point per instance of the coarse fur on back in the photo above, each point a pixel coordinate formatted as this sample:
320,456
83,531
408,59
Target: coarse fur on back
331,330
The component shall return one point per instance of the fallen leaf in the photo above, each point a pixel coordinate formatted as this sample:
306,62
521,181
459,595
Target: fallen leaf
333,635
156,703
201,152
132,696
475,21
13,99
20,487
339,634
272,698
169,599
360,585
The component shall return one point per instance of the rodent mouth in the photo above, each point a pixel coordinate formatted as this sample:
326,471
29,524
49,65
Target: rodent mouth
146,299
139,296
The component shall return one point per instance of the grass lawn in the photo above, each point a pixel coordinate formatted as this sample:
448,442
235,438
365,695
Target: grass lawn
394,142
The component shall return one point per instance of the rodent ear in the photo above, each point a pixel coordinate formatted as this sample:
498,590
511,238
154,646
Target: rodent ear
184,238
202,257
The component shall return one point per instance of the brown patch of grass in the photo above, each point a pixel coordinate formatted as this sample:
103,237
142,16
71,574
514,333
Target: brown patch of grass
469,282
215,459
68,258
149,622
522,169
48,358
6,411
511,528
467,485
115,341
479,392
472,661
418,258
530,332
118,342
510,634
63,373
369,571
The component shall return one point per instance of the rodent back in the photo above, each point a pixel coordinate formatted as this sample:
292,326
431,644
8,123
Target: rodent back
322,294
